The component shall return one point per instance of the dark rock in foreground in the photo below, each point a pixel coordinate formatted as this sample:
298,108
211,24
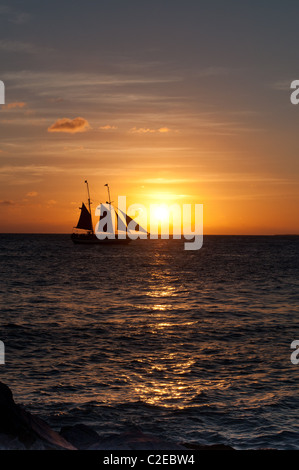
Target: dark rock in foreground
19,429
83,437
80,436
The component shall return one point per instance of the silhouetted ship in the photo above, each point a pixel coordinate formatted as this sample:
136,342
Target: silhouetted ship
85,233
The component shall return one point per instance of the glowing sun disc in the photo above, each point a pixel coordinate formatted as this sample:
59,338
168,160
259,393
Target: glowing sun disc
161,212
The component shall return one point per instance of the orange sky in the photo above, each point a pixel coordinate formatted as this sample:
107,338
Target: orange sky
201,122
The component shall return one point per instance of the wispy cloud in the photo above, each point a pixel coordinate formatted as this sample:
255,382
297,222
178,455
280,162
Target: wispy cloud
17,104
167,180
147,130
6,202
26,174
282,85
108,127
70,126
111,91
63,80
219,178
167,196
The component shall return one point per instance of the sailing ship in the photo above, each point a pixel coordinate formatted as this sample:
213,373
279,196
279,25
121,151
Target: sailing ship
86,234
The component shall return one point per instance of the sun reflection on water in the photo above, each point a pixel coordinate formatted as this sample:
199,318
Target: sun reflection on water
163,291
171,389
176,393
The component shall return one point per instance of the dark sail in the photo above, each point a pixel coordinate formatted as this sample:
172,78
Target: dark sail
84,221
129,219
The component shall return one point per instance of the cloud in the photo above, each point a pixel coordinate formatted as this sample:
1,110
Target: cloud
107,127
26,174
143,130
17,104
64,83
56,100
282,85
167,180
32,194
168,196
6,202
69,125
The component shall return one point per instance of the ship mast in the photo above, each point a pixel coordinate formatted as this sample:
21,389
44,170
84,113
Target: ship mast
109,199
89,203
110,202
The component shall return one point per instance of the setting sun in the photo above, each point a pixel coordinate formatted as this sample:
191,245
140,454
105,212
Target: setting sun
161,213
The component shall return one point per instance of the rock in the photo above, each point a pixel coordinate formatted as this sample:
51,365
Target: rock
135,439
10,443
85,438
80,436
20,428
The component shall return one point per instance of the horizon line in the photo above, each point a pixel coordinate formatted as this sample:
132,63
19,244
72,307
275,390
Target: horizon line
170,235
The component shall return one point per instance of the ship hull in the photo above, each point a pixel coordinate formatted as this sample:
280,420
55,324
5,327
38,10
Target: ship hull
91,239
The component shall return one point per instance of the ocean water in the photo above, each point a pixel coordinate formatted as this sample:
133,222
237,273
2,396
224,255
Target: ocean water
193,346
